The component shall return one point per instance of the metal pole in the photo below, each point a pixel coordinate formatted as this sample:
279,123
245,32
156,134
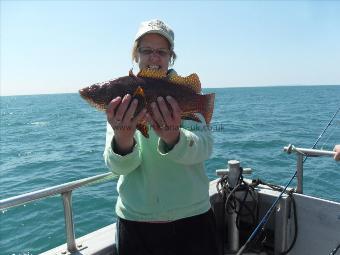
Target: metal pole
69,226
299,173
309,152
233,232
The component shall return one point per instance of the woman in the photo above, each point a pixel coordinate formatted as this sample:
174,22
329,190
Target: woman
163,205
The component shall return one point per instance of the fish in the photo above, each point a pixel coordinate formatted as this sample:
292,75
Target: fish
149,84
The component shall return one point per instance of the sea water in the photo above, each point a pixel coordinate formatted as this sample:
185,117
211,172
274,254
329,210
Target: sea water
48,140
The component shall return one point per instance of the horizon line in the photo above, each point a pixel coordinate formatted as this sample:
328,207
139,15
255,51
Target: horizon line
227,87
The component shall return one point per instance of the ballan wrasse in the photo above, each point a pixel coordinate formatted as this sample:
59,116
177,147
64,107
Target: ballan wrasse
146,87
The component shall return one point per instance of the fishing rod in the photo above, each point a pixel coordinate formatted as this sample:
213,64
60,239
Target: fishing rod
265,218
333,252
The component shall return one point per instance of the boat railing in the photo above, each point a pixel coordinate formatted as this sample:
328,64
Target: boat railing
301,154
65,190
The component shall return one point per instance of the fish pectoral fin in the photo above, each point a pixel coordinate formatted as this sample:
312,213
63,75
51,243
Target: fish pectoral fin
190,116
192,81
142,127
139,92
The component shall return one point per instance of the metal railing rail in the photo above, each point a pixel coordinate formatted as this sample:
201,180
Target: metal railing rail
65,190
301,153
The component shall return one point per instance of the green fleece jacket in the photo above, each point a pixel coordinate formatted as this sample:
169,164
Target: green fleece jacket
160,185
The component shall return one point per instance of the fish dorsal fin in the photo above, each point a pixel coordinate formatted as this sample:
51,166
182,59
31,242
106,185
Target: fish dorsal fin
192,81
148,73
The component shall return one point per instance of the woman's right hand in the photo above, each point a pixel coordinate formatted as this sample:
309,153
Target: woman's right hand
121,118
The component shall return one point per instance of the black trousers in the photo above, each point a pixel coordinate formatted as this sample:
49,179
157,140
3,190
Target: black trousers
190,236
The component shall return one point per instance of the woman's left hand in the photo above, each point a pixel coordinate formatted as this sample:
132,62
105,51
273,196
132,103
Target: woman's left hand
166,122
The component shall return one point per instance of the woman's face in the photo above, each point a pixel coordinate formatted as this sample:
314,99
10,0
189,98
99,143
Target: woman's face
153,52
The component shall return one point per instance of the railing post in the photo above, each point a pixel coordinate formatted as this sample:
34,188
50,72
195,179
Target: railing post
299,173
70,236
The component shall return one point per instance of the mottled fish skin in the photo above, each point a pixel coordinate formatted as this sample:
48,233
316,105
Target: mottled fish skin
146,87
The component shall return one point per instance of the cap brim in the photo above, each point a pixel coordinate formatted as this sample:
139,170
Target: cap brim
160,33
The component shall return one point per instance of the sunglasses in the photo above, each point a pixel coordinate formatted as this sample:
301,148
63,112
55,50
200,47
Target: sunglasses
146,51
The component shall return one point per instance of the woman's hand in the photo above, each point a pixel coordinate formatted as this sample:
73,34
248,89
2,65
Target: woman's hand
165,121
121,118
337,152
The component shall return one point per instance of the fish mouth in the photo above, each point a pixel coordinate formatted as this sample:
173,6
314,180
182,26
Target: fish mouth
85,94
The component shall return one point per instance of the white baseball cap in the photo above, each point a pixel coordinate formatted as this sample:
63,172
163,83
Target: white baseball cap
156,26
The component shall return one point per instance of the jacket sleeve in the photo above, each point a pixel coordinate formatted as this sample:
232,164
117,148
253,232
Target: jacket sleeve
118,164
194,146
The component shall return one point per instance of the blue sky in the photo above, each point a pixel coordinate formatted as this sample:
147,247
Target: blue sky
61,46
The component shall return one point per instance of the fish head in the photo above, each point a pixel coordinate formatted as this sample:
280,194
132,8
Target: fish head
97,95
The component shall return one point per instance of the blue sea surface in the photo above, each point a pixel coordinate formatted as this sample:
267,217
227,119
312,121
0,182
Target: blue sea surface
47,140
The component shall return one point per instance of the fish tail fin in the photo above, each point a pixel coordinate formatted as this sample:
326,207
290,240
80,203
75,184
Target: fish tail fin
207,106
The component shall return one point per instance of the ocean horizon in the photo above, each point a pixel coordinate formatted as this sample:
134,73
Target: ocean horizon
227,87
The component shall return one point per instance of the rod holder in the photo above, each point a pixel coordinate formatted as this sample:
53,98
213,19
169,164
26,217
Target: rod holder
234,173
